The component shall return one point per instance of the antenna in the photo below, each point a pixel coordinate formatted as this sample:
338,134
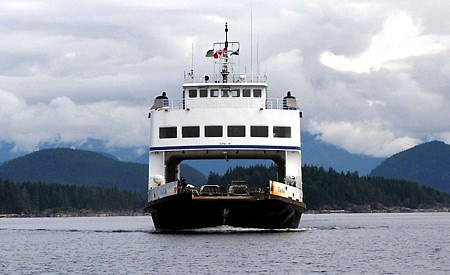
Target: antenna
192,56
192,59
257,58
251,38
225,72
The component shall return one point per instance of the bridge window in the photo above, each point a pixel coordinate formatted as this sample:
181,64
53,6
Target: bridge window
257,93
246,92
236,131
235,93
203,93
213,131
259,131
167,132
192,93
214,93
225,92
190,131
281,132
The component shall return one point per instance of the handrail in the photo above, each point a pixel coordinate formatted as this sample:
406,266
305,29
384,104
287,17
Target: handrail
223,192
229,102
218,78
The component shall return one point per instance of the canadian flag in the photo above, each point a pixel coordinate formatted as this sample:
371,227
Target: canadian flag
218,54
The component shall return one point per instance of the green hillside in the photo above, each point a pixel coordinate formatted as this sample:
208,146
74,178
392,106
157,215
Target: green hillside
427,164
328,189
85,168
39,198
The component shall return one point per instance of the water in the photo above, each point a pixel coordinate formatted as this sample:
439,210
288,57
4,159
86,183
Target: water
411,243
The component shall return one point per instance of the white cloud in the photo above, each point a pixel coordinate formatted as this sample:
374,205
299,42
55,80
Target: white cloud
89,70
361,138
64,121
400,38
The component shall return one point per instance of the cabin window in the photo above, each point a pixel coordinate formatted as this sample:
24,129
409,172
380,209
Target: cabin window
214,131
167,132
192,93
214,93
246,92
257,93
235,93
281,132
190,131
259,131
225,93
236,131
203,93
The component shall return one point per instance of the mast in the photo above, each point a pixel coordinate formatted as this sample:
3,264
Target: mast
225,71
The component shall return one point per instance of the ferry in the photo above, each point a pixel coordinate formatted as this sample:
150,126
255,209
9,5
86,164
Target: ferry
224,115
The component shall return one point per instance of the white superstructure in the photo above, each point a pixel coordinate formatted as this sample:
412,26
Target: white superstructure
224,116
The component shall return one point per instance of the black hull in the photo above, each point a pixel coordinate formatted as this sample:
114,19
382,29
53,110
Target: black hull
183,211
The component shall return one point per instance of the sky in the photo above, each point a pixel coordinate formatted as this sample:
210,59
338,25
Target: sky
372,77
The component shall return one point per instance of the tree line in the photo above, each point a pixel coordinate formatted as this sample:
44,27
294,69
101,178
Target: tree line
329,189
323,189
35,198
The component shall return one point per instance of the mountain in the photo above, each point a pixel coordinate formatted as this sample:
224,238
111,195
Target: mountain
314,152
319,153
329,189
7,152
86,168
427,164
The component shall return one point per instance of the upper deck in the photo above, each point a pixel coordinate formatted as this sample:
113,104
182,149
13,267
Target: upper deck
224,116
225,95
224,110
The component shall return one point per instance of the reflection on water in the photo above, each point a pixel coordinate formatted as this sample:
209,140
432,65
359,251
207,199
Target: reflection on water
225,229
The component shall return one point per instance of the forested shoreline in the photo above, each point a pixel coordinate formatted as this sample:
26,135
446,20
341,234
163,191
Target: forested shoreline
324,190
41,199
331,190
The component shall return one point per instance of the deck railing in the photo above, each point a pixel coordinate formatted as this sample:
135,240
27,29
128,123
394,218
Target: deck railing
223,192
218,78
219,103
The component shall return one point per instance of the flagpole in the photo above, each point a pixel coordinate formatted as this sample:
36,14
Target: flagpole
251,39
225,57
192,60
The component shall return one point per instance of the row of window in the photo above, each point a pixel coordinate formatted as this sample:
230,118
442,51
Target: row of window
232,131
224,92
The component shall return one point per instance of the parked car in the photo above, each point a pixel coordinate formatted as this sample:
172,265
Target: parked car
211,190
238,190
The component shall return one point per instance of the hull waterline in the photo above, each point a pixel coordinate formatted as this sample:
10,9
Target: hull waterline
183,211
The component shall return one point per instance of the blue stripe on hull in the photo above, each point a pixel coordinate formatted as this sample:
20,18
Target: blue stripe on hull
194,147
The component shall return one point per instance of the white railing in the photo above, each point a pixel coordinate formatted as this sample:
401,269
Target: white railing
217,78
219,103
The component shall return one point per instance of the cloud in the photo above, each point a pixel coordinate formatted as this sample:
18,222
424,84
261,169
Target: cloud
286,65
366,138
64,121
400,38
372,77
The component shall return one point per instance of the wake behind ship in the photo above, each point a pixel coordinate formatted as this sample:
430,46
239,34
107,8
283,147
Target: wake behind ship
225,116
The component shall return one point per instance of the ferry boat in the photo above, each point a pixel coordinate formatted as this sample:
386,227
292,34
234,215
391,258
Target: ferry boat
225,115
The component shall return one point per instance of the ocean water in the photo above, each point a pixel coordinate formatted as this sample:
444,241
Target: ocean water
413,243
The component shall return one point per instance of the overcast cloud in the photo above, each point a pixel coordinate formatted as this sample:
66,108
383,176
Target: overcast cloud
373,77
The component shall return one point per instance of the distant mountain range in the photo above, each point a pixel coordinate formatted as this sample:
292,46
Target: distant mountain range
86,168
315,152
319,153
427,164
